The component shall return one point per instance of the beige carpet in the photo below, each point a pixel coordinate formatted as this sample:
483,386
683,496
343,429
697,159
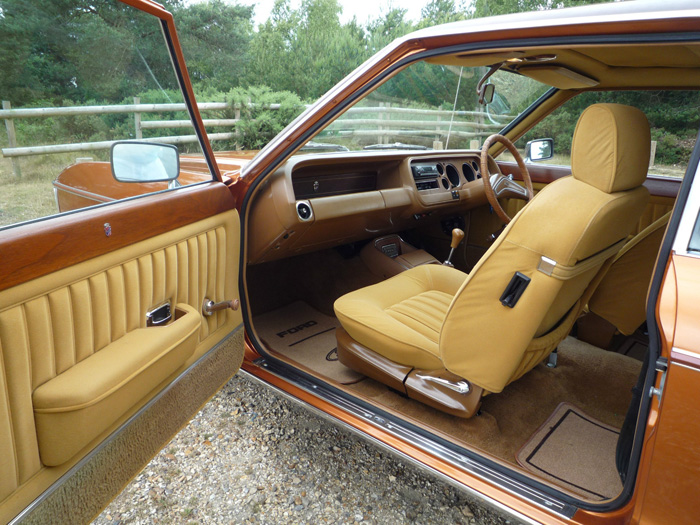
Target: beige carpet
308,337
576,451
597,381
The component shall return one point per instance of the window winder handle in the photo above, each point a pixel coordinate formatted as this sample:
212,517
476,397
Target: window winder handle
209,306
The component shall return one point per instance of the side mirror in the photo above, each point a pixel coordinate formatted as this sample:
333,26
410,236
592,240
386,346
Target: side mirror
540,149
144,162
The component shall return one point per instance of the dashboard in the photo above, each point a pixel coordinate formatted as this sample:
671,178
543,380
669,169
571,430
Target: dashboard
322,200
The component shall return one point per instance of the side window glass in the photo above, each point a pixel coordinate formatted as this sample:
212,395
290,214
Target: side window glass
694,244
673,116
74,82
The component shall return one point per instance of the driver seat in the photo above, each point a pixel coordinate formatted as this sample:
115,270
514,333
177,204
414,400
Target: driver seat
446,338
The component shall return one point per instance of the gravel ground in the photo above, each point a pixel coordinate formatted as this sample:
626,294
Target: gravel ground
250,456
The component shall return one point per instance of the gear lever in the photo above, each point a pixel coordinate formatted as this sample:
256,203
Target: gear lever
457,236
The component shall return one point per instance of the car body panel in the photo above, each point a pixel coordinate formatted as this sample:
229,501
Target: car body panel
90,183
671,459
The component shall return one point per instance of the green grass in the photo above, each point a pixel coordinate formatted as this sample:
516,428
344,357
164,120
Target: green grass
31,195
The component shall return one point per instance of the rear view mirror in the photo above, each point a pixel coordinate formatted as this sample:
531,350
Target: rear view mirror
144,162
486,94
540,149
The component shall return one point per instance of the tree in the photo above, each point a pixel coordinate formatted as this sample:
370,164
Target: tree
43,50
443,11
384,30
305,51
216,39
484,8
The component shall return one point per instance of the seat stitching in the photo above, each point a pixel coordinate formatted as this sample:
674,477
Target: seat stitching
436,298
413,318
408,307
411,311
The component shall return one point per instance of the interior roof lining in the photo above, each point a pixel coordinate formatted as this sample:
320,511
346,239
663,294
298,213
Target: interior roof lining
613,69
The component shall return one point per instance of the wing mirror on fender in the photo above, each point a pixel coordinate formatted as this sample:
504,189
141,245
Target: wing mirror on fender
145,162
539,149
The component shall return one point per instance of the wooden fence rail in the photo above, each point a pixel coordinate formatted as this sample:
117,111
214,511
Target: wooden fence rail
412,121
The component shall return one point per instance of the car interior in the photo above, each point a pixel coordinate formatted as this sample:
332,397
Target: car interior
430,285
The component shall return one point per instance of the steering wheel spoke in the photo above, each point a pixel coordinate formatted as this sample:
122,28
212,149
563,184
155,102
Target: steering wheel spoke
497,186
506,188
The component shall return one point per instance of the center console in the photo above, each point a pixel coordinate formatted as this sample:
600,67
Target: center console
390,255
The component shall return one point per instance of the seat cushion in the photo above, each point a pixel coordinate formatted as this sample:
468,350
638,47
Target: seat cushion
401,318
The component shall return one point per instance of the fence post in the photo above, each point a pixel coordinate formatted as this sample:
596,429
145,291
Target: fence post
480,129
652,154
237,117
380,128
11,138
137,120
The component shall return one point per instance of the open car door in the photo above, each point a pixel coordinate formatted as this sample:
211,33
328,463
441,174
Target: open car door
108,339
670,458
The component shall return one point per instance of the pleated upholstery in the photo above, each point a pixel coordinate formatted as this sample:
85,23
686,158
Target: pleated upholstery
423,313
401,318
52,323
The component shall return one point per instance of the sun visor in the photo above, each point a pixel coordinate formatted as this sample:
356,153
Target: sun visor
475,59
558,76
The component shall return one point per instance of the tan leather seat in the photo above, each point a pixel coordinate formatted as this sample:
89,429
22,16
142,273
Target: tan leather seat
621,296
449,329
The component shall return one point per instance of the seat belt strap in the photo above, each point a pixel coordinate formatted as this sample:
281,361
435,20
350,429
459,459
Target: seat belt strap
550,267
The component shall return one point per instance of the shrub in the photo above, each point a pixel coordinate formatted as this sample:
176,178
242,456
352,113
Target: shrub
670,148
259,123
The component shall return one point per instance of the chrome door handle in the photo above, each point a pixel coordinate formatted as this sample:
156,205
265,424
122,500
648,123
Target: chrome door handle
159,315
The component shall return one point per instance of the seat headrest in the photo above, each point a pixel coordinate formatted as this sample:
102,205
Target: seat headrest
610,147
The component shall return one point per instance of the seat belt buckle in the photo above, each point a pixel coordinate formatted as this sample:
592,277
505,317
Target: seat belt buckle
514,290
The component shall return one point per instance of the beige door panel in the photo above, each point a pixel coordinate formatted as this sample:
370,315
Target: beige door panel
78,358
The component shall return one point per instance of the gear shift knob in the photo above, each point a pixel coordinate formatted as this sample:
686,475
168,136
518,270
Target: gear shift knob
457,236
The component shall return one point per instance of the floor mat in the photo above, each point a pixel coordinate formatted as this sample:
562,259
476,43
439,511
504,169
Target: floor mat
308,337
574,450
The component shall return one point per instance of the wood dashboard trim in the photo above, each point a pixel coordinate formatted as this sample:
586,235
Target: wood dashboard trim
40,248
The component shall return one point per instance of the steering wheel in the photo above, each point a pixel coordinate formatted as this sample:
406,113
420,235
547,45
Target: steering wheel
499,186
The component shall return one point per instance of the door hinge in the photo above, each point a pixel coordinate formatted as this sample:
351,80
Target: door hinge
661,366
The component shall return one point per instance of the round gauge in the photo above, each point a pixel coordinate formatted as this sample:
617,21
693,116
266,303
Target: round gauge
468,172
445,183
440,168
452,174
475,167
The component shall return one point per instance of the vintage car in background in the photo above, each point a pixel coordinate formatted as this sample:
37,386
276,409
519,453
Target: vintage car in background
550,367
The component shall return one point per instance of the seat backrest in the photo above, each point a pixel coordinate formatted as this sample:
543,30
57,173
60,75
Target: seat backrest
560,241
621,296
